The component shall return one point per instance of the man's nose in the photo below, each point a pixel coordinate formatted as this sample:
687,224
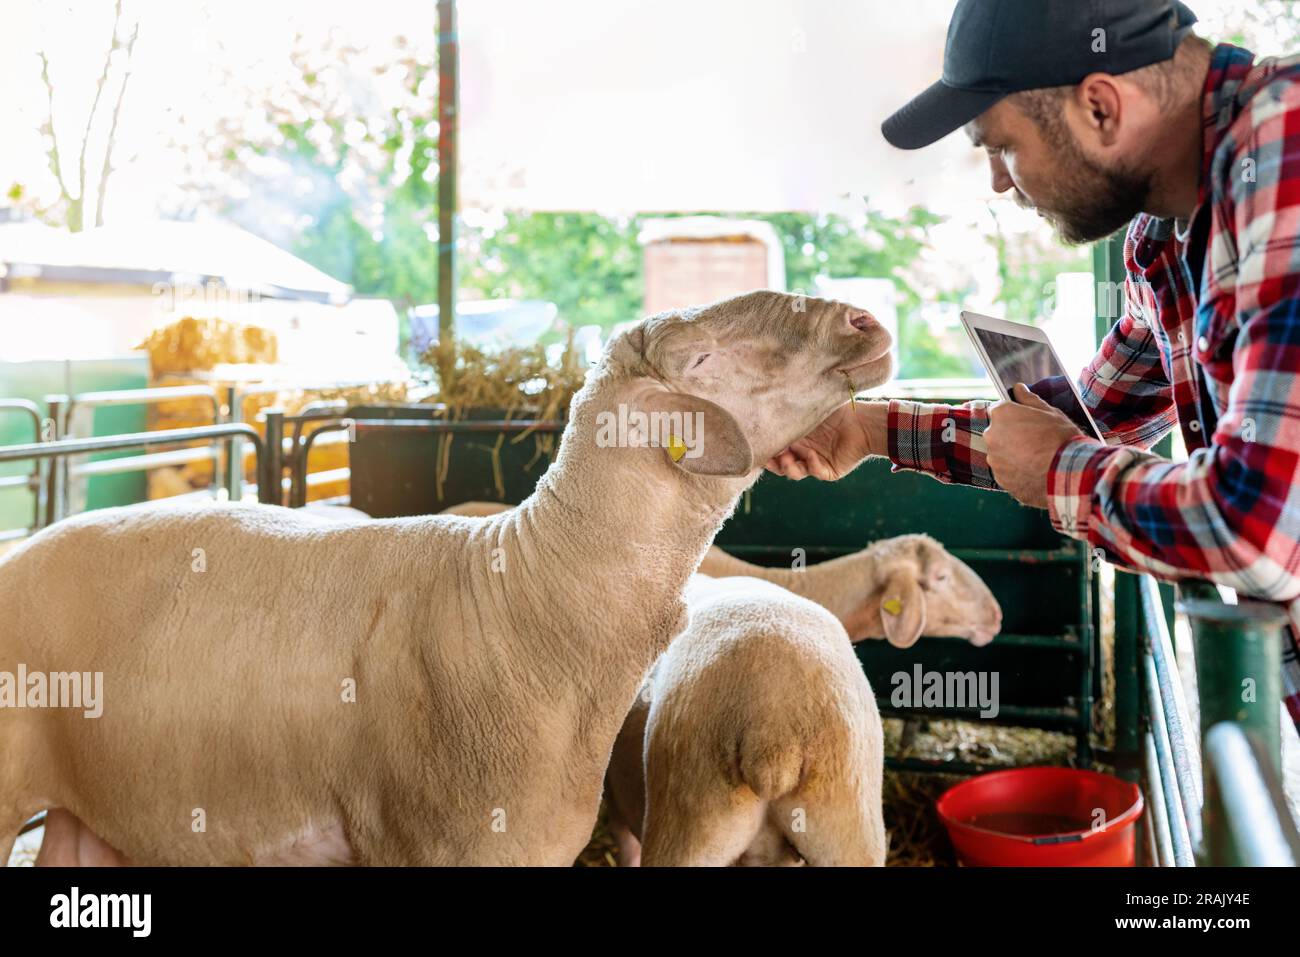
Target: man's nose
1002,180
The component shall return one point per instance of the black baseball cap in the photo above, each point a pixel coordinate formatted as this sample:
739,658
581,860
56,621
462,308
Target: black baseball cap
999,47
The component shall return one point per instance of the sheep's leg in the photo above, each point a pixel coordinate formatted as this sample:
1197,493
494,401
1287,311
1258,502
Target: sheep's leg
69,843
709,828
12,820
629,848
842,829
7,838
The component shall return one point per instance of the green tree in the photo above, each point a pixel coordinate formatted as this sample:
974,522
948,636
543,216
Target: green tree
587,264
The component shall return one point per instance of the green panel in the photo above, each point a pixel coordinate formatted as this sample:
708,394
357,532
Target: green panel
1128,688
36,380
102,375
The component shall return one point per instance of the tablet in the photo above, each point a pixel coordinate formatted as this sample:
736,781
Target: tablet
1014,352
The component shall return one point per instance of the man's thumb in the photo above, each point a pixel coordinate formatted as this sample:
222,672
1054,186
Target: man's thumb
1024,396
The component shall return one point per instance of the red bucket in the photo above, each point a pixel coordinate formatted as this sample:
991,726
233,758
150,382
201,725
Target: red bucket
1042,817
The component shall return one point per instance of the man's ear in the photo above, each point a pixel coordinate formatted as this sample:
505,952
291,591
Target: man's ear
902,609
711,443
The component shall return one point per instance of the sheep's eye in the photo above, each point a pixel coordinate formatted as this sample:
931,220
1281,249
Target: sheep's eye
699,361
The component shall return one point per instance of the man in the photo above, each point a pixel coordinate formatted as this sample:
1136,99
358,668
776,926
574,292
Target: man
1098,115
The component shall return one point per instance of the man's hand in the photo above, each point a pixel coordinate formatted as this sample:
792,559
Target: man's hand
834,449
1022,438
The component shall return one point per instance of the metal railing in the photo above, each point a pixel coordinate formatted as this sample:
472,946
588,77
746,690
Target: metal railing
61,448
63,411
1214,792
30,482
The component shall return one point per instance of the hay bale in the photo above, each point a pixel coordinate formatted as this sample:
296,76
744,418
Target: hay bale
238,354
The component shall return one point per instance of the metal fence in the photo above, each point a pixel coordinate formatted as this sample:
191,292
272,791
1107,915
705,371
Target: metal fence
1213,785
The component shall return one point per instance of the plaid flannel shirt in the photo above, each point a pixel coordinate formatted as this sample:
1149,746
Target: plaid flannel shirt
1217,356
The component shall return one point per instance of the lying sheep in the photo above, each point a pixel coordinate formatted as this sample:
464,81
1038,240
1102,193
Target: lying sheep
282,688
897,588
760,737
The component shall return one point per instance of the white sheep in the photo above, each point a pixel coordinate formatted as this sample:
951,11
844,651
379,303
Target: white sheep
281,688
756,740
897,588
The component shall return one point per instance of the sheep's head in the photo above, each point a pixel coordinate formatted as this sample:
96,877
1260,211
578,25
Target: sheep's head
735,382
921,589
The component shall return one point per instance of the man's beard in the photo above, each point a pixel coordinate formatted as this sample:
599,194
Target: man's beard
1094,202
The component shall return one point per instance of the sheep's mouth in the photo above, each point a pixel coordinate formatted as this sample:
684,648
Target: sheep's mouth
867,375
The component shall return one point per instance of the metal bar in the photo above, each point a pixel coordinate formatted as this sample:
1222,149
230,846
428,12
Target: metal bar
313,412
1182,740
1169,795
130,440
140,463
328,476
166,393
1247,818
1060,642
1083,738
270,491
298,475
235,449
946,767
54,470
460,425
1028,556
1156,809
1056,719
448,161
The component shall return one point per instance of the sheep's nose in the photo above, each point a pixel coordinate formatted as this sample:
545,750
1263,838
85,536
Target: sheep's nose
862,320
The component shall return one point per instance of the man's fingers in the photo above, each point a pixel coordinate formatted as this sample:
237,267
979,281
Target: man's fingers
787,463
778,463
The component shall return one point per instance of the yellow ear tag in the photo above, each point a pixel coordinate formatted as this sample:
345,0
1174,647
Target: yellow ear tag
676,448
892,605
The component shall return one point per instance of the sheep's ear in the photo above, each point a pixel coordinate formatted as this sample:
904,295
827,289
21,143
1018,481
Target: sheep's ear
711,440
902,609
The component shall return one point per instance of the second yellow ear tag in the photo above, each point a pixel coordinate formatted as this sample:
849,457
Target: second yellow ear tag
892,605
676,448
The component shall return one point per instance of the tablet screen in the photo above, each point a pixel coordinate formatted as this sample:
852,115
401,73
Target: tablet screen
1022,360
